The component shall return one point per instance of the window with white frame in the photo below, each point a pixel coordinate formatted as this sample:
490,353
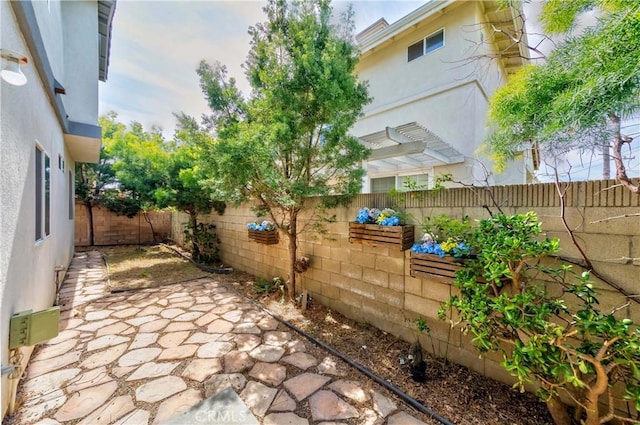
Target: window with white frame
43,194
413,182
409,182
426,45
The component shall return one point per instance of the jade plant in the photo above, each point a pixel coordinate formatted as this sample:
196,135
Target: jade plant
563,343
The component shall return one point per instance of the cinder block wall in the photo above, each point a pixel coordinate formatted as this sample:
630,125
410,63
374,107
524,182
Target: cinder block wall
112,229
373,284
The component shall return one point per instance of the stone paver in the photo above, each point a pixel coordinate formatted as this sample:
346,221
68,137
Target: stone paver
403,418
160,389
83,402
284,419
267,353
326,405
383,405
350,389
177,404
144,357
258,397
139,356
237,361
218,383
214,349
152,370
176,353
283,403
110,412
201,369
301,360
304,385
269,373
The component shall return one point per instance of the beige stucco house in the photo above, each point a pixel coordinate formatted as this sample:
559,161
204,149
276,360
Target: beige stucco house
46,125
431,75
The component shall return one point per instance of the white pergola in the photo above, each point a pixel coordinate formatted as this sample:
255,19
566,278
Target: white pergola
408,146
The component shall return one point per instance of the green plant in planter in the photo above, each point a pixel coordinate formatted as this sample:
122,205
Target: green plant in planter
580,351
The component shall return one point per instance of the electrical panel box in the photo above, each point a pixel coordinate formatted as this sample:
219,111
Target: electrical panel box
30,328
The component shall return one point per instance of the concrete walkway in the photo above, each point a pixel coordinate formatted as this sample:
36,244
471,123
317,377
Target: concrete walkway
144,357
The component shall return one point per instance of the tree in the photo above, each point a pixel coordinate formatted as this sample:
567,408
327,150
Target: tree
578,97
565,344
141,164
183,190
93,179
289,141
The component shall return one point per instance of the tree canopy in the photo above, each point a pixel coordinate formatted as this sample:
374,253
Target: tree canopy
577,98
289,140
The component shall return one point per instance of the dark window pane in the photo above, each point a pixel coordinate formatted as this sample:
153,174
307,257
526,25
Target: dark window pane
47,195
415,51
71,200
435,41
38,194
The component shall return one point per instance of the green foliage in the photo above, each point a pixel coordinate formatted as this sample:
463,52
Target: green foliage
504,306
571,100
205,243
268,287
289,141
442,228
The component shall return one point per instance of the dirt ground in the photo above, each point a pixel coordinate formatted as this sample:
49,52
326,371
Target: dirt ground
453,391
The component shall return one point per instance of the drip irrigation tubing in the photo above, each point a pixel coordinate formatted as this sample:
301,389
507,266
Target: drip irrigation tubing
405,397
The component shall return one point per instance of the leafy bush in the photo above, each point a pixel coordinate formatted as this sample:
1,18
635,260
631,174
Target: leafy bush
204,243
579,350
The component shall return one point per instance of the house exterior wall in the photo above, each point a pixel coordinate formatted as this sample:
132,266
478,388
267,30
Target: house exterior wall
447,90
27,276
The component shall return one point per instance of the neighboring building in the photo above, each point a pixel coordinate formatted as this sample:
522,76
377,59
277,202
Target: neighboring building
46,126
431,75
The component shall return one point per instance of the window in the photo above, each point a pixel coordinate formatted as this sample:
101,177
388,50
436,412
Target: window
427,45
72,205
383,184
43,194
413,182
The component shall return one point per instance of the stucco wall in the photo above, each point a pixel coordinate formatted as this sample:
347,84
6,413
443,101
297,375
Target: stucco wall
27,277
373,284
112,229
446,91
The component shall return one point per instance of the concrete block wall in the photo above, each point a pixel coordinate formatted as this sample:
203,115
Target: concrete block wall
373,284
112,229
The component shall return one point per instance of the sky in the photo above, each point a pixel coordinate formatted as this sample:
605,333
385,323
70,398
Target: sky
156,47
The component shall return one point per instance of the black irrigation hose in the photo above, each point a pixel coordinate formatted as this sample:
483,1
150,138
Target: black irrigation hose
405,397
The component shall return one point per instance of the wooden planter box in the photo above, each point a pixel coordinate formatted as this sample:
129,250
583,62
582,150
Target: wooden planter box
433,266
266,237
400,237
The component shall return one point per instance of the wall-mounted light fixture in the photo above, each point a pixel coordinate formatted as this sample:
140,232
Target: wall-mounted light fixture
11,71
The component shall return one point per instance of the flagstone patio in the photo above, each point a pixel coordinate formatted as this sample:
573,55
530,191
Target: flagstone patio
150,356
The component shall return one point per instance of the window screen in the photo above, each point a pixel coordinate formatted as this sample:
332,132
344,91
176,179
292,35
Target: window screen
39,193
415,50
383,184
434,42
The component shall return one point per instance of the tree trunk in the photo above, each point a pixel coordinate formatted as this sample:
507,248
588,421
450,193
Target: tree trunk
148,220
293,249
558,411
193,224
90,215
619,140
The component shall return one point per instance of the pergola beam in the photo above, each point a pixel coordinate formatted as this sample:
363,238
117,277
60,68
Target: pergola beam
398,150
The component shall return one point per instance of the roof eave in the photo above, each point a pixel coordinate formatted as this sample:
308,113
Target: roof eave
106,10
